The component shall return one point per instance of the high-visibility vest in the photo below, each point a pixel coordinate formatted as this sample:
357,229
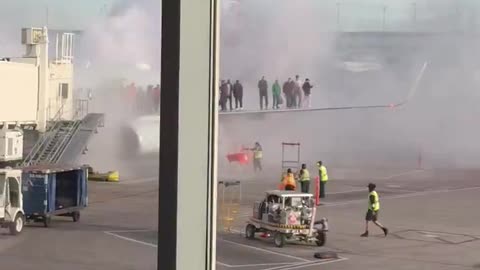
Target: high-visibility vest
289,179
305,176
257,153
375,206
323,173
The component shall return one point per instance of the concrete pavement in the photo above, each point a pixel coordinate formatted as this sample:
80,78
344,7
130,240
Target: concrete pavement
432,217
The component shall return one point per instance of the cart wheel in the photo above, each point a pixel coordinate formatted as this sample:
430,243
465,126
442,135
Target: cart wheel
16,226
250,231
321,238
279,239
76,216
46,221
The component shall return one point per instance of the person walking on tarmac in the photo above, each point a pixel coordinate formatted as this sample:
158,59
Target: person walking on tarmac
288,181
372,212
304,177
322,172
257,157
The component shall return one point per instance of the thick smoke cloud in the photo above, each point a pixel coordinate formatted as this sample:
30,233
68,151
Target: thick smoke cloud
124,44
121,48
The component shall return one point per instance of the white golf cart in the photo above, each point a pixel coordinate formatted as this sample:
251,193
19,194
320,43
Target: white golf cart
288,216
12,215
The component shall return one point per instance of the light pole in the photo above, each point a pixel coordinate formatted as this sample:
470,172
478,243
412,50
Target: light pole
414,6
338,16
384,17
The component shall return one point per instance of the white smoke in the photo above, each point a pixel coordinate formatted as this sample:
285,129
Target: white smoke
124,44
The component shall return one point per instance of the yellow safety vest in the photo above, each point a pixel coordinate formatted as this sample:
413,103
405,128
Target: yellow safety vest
323,173
376,205
257,154
305,175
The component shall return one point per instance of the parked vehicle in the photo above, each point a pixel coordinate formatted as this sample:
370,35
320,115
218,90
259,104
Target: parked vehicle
12,215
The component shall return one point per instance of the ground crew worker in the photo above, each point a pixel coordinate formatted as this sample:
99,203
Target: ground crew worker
257,157
288,181
372,212
304,177
322,172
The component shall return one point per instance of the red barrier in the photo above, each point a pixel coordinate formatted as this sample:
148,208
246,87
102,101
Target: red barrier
317,191
241,158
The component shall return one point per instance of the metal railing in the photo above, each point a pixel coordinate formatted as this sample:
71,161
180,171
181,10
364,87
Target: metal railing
52,144
44,139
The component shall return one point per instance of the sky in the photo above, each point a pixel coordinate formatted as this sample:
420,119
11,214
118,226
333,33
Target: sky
65,14
77,14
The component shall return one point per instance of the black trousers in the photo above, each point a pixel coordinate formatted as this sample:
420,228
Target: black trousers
229,98
289,100
289,187
322,189
223,103
263,96
305,185
238,101
293,100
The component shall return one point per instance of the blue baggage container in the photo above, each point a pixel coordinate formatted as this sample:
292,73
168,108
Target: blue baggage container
54,190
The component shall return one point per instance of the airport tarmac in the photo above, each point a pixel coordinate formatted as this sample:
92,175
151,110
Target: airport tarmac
431,215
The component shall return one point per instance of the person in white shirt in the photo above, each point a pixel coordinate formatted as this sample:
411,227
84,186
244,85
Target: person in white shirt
298,92
229,93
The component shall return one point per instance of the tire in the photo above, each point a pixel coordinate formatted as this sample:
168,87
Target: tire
250,231
46,221
321,238
76,216
279,239
16,227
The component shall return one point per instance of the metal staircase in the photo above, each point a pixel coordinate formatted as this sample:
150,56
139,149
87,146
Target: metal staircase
52,144
63,140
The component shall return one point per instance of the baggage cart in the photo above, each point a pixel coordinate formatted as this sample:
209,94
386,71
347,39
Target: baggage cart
54,190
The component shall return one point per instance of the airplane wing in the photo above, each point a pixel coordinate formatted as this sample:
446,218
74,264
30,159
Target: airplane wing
411,93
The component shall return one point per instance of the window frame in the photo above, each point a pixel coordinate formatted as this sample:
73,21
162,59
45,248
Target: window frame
189,62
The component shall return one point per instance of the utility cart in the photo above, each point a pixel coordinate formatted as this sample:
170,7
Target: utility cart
54,190
287,216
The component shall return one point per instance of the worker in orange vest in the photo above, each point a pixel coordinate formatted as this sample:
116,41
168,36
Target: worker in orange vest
288,181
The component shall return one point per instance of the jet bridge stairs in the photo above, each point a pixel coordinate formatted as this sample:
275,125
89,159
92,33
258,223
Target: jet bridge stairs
64,141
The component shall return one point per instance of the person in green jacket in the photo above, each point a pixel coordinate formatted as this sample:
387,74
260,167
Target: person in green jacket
276,91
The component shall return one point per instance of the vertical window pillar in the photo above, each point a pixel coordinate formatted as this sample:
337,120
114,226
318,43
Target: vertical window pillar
188,135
